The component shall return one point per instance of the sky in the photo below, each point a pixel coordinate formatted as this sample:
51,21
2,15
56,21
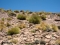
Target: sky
31,5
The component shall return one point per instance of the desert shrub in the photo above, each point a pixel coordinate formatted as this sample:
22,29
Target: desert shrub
2,19
9,18
13,30
58,14
59,27
33,31
54,27
14,41
58,41
34,19
21,17
8,24
36,42
21,25
43,17
2,25
12,14
2,10
43,26
21,10
16,11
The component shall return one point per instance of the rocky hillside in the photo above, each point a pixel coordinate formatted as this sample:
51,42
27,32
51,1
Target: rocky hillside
29,28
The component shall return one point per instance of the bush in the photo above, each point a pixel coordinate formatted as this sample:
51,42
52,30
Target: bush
8,24
14,30
14,41
43,26
43,17
58,41
54,27
2,25
9,18
3,19
21,17
12,14
21,25
33,31
16,11
34,19
58,27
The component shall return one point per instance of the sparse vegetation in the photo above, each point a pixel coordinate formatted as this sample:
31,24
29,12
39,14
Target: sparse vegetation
58,42
14,41
9,18
34,19
58,27
43,17
14,30
8,24
12,14
43,26
2,19
33,31
54,27
21,25
16,11
21,17
2,25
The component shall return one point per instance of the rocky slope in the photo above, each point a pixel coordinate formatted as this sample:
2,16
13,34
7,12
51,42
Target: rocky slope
29,34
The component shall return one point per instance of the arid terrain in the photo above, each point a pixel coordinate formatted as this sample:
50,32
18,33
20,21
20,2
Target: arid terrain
29,28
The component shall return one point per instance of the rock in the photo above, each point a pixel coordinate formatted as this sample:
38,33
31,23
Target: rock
46,40
52,42
48,36
6,43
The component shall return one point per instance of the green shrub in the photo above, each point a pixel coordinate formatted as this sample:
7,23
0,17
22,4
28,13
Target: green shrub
33,31
54,27
12,14
34,19
3,19
14,41
58,27
14,30
8,24
9,18
43,26
43,17
21,17
16,11
2,25
58,41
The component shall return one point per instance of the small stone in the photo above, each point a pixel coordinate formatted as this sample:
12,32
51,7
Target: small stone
48,36
46,40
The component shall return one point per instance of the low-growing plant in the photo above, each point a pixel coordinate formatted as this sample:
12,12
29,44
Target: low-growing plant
34,19
2,19
58,41
13,30
54,27
43,17
16,11
21,25
58,27
12,14
21,17
14,41
8,24
2,25
33,31
9,18
43,26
